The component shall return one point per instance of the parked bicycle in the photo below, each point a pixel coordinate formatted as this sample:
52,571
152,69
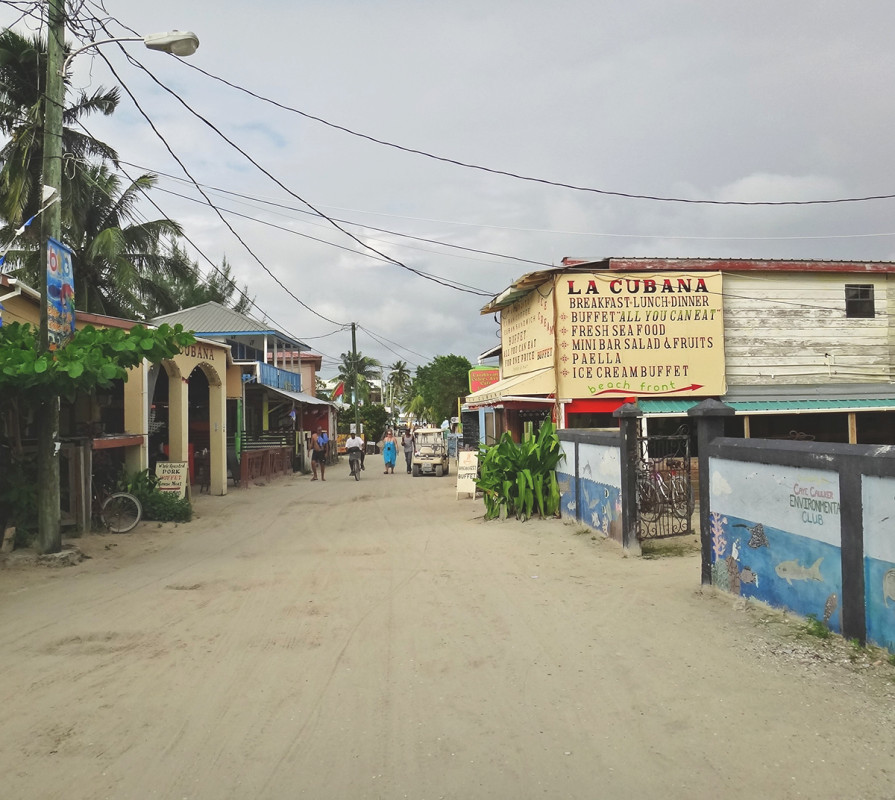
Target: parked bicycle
116,511
656,493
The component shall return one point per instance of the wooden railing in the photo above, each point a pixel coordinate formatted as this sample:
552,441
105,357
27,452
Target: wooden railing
264,464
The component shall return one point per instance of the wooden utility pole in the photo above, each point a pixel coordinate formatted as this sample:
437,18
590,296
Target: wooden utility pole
354,379
49,538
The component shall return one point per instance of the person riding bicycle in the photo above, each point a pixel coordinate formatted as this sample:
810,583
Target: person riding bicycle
354,446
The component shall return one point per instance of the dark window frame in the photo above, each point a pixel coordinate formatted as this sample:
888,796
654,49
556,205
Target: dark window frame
859,301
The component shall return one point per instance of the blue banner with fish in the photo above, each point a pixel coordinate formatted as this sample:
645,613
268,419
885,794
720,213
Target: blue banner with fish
60,294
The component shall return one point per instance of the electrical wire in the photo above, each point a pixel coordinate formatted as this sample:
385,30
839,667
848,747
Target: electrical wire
220,216
528,178
485,226
342,247
285,188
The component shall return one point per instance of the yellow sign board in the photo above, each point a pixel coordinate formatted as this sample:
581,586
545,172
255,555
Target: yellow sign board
639,335
526,333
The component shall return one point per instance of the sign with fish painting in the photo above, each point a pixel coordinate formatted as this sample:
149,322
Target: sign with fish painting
879,559
776,536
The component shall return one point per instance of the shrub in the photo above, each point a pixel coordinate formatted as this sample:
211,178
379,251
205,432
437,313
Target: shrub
517,478
167,507
18,498
159,506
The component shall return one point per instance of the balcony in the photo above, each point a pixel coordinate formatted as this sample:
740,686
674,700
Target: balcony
276,378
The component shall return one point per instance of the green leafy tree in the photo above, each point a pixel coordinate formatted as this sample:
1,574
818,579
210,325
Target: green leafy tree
93,358
441,382
187,288
416,410
373,416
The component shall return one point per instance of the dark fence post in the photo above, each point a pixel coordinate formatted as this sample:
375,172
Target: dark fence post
709,416
629,416
851,522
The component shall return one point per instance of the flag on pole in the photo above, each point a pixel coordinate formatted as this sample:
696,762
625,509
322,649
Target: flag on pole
339,390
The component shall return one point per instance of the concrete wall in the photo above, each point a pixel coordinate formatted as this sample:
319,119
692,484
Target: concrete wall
590,482
805,526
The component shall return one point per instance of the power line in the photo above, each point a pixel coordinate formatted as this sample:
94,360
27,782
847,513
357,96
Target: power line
454,284
284,187
220,216
528,178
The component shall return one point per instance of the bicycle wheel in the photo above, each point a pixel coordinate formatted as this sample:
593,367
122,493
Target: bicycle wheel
682,498
649,501
121,512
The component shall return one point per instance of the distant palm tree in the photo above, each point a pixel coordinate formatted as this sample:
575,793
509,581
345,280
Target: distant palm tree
364,367
399,380
417,410
22,77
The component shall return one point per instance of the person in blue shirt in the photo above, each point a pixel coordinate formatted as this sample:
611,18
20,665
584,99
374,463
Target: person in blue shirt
389,451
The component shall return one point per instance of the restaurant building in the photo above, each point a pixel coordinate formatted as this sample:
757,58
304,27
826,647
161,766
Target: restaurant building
800,349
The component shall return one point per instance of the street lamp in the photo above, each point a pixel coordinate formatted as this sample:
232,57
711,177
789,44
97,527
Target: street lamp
177,43
180,43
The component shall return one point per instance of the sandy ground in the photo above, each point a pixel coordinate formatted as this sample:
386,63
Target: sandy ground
380,640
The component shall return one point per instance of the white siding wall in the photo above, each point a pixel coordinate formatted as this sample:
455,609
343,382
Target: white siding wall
791,328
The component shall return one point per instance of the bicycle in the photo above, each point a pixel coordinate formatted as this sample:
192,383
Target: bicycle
121,512
354,457
117,511
654,494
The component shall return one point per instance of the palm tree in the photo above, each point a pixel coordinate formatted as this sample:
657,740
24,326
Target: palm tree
417,409
399,380
120,265
364,367
22,77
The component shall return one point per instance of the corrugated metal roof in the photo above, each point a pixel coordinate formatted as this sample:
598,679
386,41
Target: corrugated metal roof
655,407
214,319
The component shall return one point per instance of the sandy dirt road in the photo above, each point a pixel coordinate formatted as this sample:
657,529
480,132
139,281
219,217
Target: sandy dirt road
379,640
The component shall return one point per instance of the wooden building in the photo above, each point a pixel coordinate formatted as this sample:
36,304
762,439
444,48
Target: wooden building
798,348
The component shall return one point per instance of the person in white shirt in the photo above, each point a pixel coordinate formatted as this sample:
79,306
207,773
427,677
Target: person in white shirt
354,446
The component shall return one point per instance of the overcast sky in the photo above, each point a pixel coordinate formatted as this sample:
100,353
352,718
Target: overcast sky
703,100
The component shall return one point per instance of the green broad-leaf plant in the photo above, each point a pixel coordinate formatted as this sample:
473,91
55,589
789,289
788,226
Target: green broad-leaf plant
519,479
94,357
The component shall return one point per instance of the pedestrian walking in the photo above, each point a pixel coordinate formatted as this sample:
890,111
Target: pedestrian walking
407,444
389,451
318,453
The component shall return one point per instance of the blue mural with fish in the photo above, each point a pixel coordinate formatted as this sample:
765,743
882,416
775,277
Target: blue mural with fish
778,567
789,557
594,495
879,559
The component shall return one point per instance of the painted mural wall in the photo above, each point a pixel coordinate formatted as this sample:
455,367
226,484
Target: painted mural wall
776,536
879,560
593,496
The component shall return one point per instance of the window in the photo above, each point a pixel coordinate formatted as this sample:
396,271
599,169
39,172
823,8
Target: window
859,300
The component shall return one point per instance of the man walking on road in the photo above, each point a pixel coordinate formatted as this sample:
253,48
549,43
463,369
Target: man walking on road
318,453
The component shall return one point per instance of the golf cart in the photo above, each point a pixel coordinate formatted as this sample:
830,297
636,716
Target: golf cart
430,453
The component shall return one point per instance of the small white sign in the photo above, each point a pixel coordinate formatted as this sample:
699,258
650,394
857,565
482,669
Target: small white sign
173,477
467,472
